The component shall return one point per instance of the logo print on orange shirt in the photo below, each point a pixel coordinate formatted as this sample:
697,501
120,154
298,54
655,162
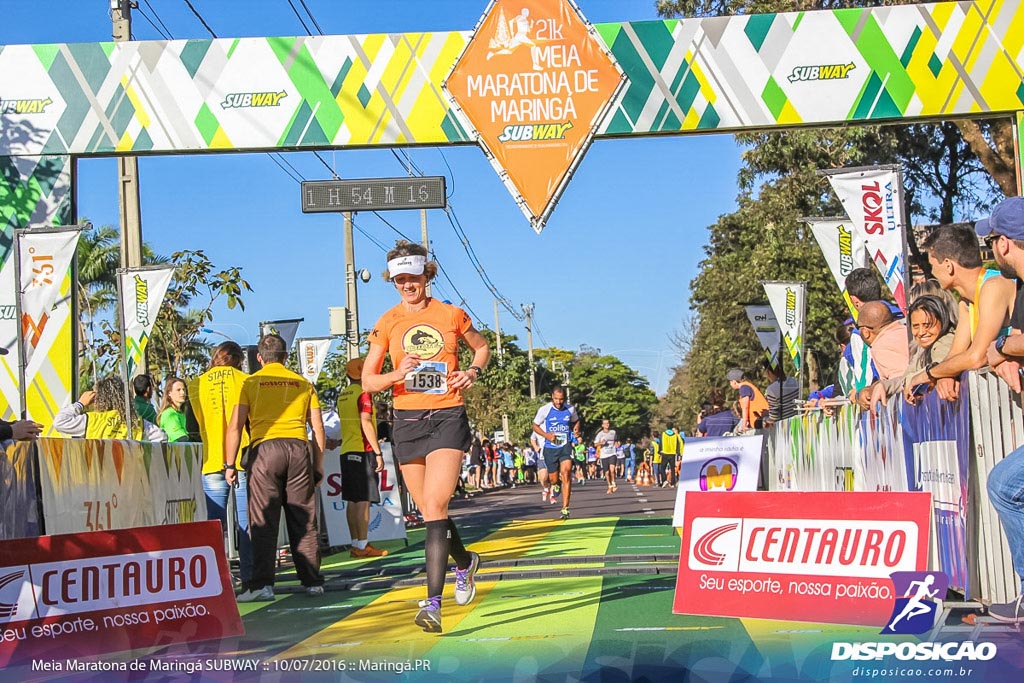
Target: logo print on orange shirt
423,341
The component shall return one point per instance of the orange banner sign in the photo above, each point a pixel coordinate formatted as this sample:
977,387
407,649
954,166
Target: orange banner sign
535,82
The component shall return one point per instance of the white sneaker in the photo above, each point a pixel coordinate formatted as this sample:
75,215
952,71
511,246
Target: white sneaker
465,585
265,594
544,495
314,591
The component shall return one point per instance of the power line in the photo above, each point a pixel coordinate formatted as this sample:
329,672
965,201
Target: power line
159,19
200,18
388,223
275,158
150,21
311,17
299,17
463,302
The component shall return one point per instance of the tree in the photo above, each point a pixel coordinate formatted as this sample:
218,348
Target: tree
603,387
175,347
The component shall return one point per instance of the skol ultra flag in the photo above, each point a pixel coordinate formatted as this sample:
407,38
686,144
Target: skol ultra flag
142,292
787,300
872,199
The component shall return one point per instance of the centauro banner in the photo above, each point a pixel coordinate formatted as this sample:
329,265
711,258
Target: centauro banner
142,292
766,327
79,595
535,81
817,557
872,198
312,354
843,248
788,300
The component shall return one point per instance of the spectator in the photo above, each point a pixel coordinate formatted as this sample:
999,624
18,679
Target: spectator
172,410
752,402
142,386
476,462
1004,233
107,419
986,301
718,421
886,337
782,393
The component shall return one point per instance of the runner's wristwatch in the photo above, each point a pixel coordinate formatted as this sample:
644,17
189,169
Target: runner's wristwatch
479,370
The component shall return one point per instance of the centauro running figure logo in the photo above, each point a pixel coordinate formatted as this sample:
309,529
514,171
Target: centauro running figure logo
822,72
36,106
237,100
537,131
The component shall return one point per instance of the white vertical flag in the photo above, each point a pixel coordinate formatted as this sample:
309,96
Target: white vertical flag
843,248
287,329
312,354
787,300
44,257
872,197
766,327
142,292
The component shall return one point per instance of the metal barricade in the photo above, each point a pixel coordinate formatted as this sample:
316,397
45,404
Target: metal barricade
997,430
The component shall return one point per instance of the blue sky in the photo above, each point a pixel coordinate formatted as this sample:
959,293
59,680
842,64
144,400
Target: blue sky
611,269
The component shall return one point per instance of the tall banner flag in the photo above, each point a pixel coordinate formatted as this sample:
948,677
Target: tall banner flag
312,354
535,82
843,248
142,292
287,329
789,301
42,257
873,198
766,327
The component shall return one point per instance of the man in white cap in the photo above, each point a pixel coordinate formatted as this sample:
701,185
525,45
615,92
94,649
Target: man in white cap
1003,232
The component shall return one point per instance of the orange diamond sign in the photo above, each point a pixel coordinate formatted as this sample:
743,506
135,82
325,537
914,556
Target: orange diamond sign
535,82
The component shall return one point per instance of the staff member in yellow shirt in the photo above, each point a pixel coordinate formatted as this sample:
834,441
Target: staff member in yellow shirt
278,405
214,395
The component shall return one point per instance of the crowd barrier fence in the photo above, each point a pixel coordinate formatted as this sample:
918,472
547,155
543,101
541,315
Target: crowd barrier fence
943,447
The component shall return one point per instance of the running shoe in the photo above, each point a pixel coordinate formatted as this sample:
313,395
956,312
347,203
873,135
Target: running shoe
565,513
544,495
465,585
314,591
1008,612
265,594
555,490
368,551
429,616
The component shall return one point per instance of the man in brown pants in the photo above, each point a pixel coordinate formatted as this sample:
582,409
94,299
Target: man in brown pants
279,404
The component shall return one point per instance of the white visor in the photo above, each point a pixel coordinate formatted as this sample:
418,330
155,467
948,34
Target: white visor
407,265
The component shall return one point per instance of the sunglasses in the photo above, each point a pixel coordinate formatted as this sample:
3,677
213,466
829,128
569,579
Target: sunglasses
991,239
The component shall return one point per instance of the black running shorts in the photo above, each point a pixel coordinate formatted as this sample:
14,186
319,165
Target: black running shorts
418,433
359,482
554,456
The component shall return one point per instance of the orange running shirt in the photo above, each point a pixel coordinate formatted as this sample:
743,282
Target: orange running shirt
433,335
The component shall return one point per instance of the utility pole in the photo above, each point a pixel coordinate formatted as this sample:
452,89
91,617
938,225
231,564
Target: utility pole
501,360
528,310
128,169
423,236
351,297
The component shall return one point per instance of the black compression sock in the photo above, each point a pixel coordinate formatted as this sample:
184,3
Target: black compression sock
456,548
436,552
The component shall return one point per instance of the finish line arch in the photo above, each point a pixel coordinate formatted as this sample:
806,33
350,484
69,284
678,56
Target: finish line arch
59,102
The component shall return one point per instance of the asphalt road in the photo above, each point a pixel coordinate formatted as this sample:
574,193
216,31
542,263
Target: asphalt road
591,500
